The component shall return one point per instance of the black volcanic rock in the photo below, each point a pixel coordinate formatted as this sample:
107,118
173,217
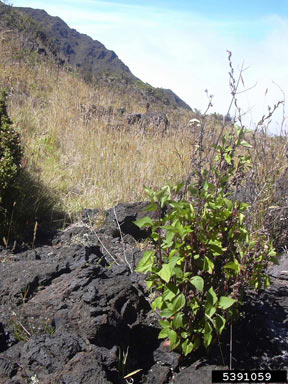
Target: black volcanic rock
68,310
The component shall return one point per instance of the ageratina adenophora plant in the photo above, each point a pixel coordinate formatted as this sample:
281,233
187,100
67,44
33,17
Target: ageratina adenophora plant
204,254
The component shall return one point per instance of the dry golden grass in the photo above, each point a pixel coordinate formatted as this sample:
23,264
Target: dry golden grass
91,158
88,160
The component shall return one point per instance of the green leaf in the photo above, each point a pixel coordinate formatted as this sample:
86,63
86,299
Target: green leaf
245,144
272,252
178,187
164,323
194,304
171,290
233,265
149,192
174,340
164,200
144,222
179,302
157,303
168,242
228,203
192,210
241,218
228,158
151,207
197,342
167,313
208,265
178,272
207,334
219,323
182,231
163,195
174,259
165,273
146,263
198,282
225,302
244,206
211,296
187,347
149,284
170,228
174,254
163,333
178,321
216,247
184,335
169,238
266,281
210,310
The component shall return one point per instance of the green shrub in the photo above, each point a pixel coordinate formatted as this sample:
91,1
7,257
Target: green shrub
205,255
10,148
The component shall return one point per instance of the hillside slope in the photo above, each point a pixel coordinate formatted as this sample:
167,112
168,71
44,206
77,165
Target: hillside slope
51,36
74,48
79,148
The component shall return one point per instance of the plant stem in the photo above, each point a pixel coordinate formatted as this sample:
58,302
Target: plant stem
230,352
159,235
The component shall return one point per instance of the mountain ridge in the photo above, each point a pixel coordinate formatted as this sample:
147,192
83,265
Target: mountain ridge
68,41
50,35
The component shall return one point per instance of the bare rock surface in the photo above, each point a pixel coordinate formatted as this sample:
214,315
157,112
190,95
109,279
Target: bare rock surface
72,310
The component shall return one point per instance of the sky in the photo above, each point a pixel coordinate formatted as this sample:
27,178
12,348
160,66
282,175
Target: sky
182,45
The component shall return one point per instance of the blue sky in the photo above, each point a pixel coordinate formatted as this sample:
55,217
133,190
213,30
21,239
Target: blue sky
181,44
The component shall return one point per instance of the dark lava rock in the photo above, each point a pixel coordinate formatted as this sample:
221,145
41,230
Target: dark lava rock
280,271
89,215
7,368
83,369
126,214
49,353
69,310
3,338
146,120
163,356
158,374
196,375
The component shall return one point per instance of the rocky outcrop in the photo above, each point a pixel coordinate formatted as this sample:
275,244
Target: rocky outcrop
156,120
72,310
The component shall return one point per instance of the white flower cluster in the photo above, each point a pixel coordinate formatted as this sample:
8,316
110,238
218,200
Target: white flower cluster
194,123
34,380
